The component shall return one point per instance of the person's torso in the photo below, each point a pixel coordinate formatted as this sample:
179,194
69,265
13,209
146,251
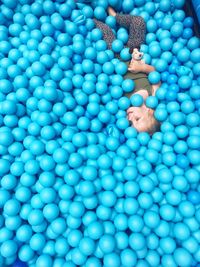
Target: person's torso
141,81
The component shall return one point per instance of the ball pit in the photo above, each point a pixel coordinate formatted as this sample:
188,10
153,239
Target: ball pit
79,186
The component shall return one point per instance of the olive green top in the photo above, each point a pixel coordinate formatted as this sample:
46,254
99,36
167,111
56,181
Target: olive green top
141,82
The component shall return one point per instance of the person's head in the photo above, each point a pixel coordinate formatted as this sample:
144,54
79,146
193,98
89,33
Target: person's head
142,119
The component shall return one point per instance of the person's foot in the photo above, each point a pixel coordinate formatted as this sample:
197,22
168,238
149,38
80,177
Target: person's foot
111,11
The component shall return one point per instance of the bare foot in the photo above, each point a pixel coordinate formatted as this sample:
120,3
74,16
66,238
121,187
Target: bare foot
111,11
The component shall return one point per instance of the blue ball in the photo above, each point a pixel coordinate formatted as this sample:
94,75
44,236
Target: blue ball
187,33
108,68
160,114
182,257
167,212
136,241
151,102
144,167
121,68
151,25
117,46
195,54
165,6
125,55
193,142
177,118
155,51
107,243
193,43
167,22
194,92
166,44
8,248
169,158
99,13
165,175
182,161
173,197
136,100
196,69
122,123
150,8
128,256
183,55
111,21
194,197
154,77
127,6
150,37
192,119
177,29
122,35
161,65
179,15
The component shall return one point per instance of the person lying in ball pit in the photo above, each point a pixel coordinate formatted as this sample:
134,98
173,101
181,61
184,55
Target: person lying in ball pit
142,118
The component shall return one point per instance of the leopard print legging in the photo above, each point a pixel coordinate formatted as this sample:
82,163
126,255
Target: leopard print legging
135,25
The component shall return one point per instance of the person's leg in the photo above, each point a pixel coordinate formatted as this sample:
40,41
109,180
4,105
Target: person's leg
137,31
136,26
108,34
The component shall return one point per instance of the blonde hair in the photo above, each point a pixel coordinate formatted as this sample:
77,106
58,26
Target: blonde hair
155,127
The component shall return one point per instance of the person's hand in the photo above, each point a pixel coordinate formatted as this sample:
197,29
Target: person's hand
111,11
135,67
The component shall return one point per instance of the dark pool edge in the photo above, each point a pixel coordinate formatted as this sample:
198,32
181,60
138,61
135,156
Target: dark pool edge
191,7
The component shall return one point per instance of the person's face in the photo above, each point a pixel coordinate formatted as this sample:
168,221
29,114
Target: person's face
142,117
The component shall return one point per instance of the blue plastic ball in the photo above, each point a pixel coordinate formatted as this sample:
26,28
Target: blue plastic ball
128,257
136,100
151,102
160,114
182,257
194,92
144,167
117,46
107,243
177,29
195,55
194,197
136,241
108,68
154,77
151,25
183,55
8,248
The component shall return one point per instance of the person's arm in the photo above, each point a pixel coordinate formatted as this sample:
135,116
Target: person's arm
147,68
135,68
